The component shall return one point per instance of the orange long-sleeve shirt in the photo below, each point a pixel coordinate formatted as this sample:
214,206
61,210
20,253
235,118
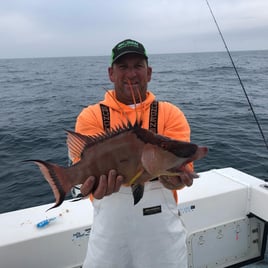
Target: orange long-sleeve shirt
171,120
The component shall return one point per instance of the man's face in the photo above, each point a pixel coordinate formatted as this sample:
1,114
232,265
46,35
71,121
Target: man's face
130,71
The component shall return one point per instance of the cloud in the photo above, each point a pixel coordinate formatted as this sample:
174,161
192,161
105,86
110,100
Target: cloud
82,27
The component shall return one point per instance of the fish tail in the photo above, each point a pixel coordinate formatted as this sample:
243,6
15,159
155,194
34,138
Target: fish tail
56,176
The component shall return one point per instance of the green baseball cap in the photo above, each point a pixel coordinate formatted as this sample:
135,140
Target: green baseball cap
126,47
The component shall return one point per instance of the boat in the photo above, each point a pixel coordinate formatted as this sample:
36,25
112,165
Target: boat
225,213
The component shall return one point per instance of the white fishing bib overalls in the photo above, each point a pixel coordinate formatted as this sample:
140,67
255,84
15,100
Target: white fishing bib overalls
147,235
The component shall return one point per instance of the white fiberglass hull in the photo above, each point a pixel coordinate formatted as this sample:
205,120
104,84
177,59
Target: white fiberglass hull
224,212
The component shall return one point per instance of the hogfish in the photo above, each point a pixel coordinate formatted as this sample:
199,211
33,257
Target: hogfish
137,154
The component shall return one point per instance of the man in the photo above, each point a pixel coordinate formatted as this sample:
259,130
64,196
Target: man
149,234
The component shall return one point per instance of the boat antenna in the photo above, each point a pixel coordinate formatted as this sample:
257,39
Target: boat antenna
240,80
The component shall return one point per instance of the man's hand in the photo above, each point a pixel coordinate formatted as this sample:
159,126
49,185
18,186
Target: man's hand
107,185
178,182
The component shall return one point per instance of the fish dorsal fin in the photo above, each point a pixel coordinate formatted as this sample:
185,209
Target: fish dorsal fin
76,144
134,102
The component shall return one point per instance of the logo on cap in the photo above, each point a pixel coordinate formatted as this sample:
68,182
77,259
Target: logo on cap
127,46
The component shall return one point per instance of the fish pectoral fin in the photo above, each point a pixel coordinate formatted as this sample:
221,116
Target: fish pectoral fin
133,180
137,192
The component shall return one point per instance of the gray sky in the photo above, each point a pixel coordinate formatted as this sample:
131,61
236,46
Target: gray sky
55,28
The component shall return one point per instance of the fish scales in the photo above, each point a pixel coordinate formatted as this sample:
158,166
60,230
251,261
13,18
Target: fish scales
137,154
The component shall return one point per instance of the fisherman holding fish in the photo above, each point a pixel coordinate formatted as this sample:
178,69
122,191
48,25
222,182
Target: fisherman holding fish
131,153
150,233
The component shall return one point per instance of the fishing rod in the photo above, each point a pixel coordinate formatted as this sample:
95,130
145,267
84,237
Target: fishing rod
240,80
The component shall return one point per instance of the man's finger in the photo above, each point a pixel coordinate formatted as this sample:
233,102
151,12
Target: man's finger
111,182
118,183
100,192
186,179
87,186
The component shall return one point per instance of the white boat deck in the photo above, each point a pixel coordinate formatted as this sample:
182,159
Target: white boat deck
61,243
215,211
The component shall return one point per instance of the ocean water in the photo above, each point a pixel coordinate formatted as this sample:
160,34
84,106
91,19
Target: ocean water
41,97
